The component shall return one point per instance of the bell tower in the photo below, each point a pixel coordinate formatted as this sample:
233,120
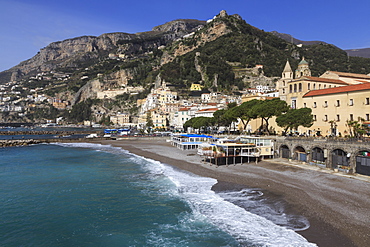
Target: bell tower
287,72
282,84
303,69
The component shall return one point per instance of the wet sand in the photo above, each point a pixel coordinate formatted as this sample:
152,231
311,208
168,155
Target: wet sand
337,206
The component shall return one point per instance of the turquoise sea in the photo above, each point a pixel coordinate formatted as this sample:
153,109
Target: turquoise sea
79,194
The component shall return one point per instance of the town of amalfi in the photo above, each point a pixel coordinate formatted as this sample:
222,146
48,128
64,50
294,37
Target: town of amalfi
207,124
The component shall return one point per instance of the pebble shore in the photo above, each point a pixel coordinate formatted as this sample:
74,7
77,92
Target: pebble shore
336,205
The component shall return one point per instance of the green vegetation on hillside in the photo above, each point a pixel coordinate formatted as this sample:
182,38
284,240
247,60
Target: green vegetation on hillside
250,46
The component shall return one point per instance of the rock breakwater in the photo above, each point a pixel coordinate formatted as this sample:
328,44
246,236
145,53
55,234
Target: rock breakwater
14,143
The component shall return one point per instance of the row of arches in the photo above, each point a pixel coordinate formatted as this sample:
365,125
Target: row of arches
358,162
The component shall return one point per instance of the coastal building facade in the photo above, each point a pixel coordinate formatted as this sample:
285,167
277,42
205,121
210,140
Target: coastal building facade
335,97
332,108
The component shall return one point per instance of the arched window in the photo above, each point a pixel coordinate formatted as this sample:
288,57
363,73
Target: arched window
295,88
290,88
309,86
300,87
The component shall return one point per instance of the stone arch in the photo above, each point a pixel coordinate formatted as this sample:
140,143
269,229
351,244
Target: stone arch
339,159
300,153
318,156
362,162
284,151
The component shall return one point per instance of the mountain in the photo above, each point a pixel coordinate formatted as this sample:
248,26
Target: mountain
87,50
180,37
291,39
365,52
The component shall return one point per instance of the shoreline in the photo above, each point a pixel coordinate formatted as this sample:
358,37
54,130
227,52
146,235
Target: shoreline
336,206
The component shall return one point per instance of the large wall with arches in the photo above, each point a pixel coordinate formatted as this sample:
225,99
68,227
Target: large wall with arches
350,156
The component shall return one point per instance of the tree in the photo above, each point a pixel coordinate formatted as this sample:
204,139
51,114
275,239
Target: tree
224,117
269,108
202,122
246,111
80,111
357,128
294,118
199,122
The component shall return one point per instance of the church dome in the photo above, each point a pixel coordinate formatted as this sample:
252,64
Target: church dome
303,62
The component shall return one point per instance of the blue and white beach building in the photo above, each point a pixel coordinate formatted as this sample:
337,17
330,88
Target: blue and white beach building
116,132
190,141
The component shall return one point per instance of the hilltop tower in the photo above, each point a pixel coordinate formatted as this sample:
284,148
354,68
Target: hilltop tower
282,84
303,69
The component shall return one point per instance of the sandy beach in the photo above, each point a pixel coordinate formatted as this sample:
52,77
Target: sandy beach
337,205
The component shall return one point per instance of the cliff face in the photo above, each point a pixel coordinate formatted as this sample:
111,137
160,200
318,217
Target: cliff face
71,53
89,90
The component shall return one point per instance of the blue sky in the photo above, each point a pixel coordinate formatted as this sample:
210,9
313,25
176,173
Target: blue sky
29,25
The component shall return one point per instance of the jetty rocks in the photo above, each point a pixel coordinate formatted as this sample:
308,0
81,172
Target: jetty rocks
14,143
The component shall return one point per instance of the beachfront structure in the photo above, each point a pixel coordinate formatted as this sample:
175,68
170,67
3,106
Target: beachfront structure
266,146
229,153
189,141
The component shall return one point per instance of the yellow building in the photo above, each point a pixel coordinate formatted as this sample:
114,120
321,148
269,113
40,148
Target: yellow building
334,97
166,96
120,119
196,87
258,96
160,119
333,107
299,87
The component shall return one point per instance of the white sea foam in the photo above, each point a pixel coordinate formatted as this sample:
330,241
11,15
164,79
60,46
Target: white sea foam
94,146
254,201
244,226
241,224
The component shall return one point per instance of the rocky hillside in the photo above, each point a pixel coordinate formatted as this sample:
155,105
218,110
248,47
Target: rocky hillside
87,50
220,54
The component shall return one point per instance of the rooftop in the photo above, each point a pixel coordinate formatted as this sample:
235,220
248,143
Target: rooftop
319,79
344,74
208,110
334,90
